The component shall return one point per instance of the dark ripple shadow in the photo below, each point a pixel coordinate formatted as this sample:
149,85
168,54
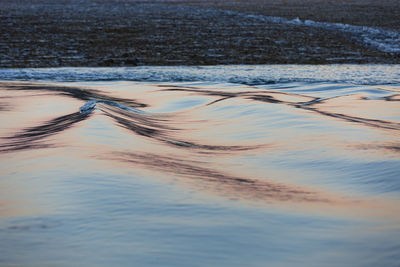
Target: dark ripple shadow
4,107
75,92
32,137
34,224
157,129
225,184
395,97
389,147
267,97
383,124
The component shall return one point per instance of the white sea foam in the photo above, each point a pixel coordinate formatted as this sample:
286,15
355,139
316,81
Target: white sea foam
374,38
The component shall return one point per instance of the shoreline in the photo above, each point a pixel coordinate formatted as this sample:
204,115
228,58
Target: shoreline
263,75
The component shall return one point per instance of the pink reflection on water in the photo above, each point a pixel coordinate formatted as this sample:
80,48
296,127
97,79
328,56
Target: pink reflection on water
201,143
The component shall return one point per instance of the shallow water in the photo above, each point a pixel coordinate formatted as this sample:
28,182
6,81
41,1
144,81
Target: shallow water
252,168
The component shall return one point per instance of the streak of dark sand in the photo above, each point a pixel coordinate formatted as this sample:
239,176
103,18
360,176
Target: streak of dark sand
38,33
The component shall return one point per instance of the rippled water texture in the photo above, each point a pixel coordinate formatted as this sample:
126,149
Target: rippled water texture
200,172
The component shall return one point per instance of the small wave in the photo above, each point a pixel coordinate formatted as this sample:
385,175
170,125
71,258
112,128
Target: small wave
240,74
88,107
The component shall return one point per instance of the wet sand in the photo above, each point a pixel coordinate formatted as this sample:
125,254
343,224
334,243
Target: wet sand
130,33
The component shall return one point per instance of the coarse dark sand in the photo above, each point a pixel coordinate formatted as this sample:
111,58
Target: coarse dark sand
39,33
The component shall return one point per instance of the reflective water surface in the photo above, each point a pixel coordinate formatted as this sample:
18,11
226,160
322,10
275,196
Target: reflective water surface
199,173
